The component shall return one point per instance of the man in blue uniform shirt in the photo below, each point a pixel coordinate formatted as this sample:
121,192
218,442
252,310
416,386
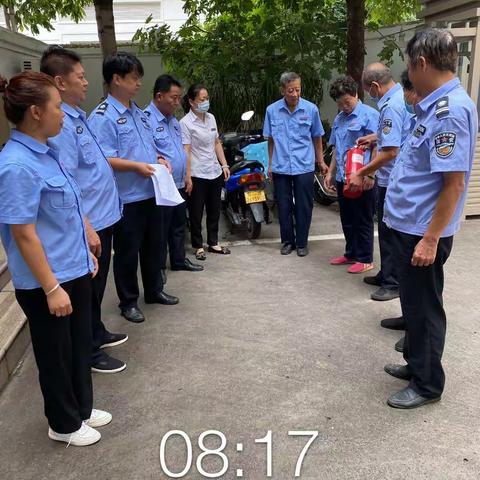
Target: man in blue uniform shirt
123,131
393,128
83,158
294,131
424,205
167,93
411,99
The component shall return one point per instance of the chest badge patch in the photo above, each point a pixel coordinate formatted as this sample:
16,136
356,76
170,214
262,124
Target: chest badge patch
160,129
122,120
144,119
445,143
79,129
419,131
387,126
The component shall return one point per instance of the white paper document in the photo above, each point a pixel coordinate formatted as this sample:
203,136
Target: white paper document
166,193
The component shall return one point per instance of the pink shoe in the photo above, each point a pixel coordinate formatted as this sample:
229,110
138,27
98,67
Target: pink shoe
359,267
341,261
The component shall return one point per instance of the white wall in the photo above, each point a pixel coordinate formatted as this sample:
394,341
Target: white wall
130,15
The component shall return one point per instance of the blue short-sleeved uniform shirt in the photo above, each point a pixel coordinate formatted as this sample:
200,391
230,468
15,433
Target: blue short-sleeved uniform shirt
347,129
443,140
85,161
293,134
37,189
393,127
168,140
125,133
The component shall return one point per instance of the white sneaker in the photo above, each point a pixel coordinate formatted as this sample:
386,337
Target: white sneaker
98,418
83,437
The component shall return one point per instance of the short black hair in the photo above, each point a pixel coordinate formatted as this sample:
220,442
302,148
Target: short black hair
164,83
57,60
437,46
120,63
343,85
405,81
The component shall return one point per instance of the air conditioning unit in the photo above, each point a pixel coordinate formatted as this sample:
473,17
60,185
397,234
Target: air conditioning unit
30,64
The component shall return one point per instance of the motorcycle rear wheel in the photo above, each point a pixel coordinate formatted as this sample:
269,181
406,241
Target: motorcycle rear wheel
254,228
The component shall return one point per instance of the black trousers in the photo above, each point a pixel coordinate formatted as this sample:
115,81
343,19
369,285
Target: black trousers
140,233
388,270
176,232
63,350
99,284
294,196
206,194
356,216
421,298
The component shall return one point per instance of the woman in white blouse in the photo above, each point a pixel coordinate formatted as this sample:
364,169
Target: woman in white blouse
207,169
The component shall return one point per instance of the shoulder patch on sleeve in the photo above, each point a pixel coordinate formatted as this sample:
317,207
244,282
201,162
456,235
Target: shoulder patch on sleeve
445,143
441,107
386,126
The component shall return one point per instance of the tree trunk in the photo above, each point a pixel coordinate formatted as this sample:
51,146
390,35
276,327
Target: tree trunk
105,26
356,15
10,21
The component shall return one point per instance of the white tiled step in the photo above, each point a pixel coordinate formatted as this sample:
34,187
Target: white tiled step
14,335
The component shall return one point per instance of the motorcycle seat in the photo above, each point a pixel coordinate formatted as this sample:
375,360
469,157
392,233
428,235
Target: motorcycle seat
251,164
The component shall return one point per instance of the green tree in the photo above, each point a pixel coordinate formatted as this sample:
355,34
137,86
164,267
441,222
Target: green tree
240,47
33,15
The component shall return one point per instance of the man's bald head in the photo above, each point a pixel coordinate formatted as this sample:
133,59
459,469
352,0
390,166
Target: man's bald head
376,72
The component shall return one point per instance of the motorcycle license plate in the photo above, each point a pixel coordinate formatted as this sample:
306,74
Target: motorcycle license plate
255,196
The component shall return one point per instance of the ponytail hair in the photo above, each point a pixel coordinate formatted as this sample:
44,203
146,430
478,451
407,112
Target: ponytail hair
192,93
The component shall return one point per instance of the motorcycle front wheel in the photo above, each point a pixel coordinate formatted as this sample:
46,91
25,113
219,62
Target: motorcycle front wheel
254,228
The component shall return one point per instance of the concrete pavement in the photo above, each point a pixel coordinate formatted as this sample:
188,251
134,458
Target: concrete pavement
263,342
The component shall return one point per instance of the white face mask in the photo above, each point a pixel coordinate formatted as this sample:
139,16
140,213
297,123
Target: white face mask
203,107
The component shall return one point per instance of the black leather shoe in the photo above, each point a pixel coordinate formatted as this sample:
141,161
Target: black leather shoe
287,249
398,371
164,276
409,398
400,345
302,252
188,266
373,280
397,323
162,298
384,294
133,314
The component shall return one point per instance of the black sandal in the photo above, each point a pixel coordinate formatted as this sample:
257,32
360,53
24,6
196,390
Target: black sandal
222,251
200,254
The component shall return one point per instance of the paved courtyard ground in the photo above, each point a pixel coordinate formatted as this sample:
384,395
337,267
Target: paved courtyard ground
261,343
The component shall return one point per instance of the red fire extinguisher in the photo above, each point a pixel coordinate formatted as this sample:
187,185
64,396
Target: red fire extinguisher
353,164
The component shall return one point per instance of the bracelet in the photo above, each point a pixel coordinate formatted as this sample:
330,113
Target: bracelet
56,287
371,177
225,166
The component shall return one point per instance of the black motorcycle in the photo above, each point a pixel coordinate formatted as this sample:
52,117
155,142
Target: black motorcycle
243,198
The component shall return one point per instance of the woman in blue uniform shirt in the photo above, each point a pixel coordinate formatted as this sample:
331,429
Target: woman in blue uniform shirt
42,231
354,120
